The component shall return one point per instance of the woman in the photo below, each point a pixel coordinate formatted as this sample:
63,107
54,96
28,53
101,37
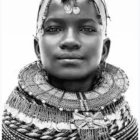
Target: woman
70,92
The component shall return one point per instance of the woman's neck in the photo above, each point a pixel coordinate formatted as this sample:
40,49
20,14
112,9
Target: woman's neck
76,85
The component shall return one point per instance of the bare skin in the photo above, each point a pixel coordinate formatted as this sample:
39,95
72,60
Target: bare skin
72,46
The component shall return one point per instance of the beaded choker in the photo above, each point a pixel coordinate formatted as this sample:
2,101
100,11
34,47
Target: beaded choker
100,113
114,83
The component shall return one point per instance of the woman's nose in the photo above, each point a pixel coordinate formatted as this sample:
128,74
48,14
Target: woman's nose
70,41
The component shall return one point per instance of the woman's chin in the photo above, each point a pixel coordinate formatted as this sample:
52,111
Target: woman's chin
70,74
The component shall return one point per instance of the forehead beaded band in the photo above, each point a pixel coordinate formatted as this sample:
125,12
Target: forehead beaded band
70,6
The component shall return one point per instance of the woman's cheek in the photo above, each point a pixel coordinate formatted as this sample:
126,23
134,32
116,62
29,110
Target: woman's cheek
45,52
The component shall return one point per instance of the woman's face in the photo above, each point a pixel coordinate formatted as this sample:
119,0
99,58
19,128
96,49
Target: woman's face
72,45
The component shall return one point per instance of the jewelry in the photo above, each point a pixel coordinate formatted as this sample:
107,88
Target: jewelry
31,108
103,65
114,83
91,134
89,121
13,129
76,9
127,131
39,64
102,11
72,9
94,114
68,8
54,100
42,14
45,4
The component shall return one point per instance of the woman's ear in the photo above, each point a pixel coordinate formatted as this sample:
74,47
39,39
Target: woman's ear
36,47
106,48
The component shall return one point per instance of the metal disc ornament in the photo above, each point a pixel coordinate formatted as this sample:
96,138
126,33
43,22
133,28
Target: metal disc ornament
68,9
76,10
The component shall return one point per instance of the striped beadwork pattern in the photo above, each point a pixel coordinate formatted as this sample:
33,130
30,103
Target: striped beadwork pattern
122,125
27,117
14,129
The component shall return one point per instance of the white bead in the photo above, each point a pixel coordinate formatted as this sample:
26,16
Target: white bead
30,93
43,17
113,138
114,100
43,101
87,113
61,109
105,118
76,110
46,77
102,107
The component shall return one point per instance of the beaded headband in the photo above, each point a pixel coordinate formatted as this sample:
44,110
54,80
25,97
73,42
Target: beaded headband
70,6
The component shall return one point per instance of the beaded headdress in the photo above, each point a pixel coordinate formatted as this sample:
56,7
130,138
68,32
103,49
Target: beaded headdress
70,6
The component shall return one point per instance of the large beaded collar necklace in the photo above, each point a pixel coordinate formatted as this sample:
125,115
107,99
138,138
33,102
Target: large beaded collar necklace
35,101
34,83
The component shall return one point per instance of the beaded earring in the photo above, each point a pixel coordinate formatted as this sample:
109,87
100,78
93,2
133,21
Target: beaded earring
103,65
42,70
39,64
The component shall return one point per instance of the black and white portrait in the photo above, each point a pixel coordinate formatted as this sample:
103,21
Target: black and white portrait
70,69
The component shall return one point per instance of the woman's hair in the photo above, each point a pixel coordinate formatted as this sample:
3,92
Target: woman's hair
100,6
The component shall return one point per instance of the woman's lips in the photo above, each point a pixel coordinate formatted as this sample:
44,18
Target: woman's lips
69,56
70,61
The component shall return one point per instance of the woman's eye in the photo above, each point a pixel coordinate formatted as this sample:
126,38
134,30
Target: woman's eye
53,29
88,29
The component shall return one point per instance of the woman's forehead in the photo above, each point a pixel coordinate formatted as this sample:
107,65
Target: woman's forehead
94,9
57,10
